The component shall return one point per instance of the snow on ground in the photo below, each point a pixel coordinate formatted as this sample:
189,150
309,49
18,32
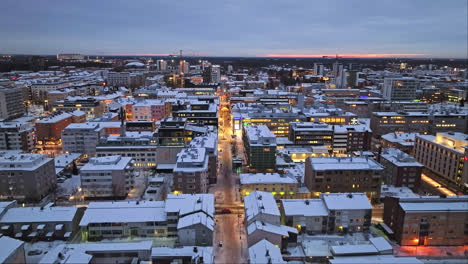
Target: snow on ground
69,186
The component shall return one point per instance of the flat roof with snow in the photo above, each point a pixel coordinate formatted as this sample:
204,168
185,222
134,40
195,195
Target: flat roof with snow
347,163
124,212
304,207
346,201
38,215
265,178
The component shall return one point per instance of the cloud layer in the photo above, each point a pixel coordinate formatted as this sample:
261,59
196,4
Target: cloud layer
236,27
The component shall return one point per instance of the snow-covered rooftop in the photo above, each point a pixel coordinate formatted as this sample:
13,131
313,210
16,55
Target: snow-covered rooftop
108,163
399,158
380,259
124,212
265,252
259,202
346,201
190,203
8,246
194,219
39,215
304,207
266,178
281,230
346,163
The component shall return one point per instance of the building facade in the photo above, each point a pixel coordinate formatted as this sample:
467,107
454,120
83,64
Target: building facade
26,176
339,175
428,221
400,169
111,176
260,148
444,155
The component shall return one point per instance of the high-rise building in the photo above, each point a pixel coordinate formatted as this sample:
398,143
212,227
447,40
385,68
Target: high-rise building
161,65
11,102
318,69
212,74
401,88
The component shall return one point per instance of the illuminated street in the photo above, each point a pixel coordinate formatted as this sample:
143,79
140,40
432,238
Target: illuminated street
437,185
229,229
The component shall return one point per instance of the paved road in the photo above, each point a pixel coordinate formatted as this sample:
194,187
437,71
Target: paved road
229,229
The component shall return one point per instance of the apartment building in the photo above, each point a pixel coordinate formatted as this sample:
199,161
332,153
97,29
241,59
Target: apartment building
428,221
343,175
49,130
17,136
26,176
187,219
400,169
262,220
444,155
91,106
40,90
140,146
81,138
330,214
11,102
260,148
280,185
419,122
401,141
191,171
41,223
337,138
110,176
210,143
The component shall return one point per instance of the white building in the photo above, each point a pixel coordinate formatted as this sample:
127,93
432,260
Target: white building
402,88
124,219
81,138
26,176
87,253
110,176
11,102
41,223
17,136
332,213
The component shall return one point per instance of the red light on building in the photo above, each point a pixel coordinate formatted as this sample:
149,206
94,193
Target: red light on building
330,102
103,83
466,158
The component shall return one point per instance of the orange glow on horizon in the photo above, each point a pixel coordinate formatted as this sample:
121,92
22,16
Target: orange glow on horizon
350,55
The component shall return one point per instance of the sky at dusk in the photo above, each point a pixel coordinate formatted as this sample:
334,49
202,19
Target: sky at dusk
414,28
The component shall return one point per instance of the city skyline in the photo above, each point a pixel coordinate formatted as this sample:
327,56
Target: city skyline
238,28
